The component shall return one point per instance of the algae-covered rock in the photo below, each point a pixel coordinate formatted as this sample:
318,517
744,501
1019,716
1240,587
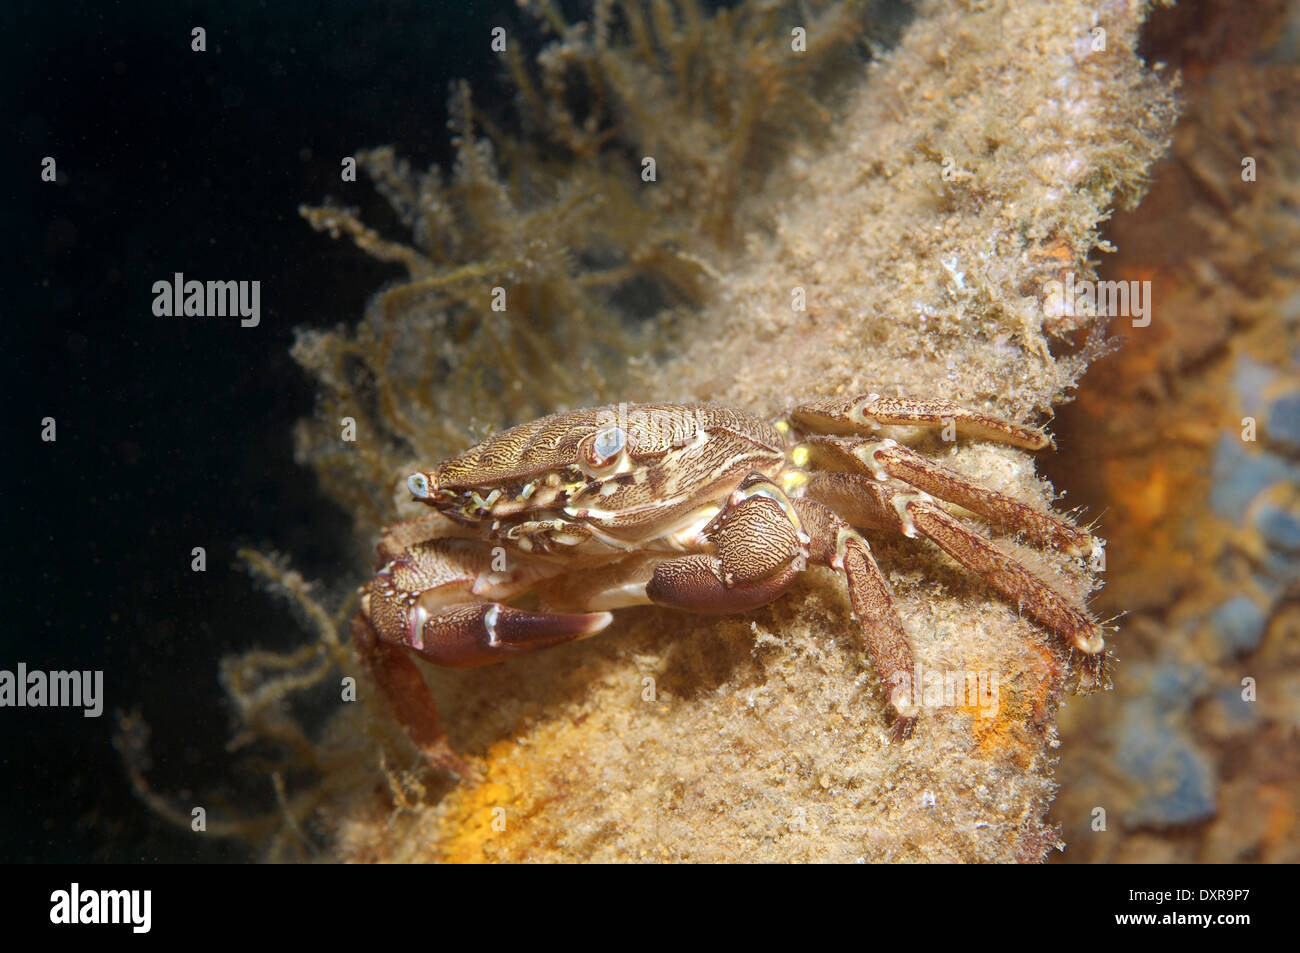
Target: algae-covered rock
1182,436
895,237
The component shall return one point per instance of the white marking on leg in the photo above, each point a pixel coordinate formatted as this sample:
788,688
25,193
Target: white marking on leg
880,472
490,623
1089,642
900,502
415,627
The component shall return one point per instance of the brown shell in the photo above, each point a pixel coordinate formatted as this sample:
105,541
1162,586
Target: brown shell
551,443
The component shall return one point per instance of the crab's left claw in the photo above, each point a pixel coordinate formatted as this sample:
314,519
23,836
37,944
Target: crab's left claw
760,548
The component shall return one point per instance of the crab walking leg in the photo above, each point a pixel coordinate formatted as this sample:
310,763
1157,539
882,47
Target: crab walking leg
838,545
867,414
402,686
886,458
764,539
760,550
1005,574
867,502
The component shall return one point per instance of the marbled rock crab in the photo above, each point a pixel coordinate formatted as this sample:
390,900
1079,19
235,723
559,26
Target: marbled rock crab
693,506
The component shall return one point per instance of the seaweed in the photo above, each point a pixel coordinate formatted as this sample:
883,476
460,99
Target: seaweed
543,271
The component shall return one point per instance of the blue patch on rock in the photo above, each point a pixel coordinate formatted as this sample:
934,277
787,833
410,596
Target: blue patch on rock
1176,780
1238,712
1284,421
1172,780
1251,379
1238,625
1239,476
1280,527
1174,685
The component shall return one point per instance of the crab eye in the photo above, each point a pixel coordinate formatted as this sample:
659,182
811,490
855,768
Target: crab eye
602,449
418,484
608,443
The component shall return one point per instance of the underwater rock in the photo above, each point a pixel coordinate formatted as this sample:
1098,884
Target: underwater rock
1184,437
906,253
1239,625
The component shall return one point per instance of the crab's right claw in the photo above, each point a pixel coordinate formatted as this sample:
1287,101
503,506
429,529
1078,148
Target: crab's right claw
457,636
482,633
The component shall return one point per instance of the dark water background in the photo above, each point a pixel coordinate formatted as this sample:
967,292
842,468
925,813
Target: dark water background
176,432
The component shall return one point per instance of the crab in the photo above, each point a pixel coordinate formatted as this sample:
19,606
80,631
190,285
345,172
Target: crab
691,506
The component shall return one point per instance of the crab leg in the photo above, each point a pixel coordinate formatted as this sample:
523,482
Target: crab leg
867,414
402,686
472,634
886,458
867,502
442,599
837,545
400,536
763,540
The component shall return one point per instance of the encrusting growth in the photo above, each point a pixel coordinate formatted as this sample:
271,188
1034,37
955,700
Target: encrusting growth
781,176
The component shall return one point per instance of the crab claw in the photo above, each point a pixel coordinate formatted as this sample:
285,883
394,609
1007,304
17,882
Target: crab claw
481,633
460,636
698,583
